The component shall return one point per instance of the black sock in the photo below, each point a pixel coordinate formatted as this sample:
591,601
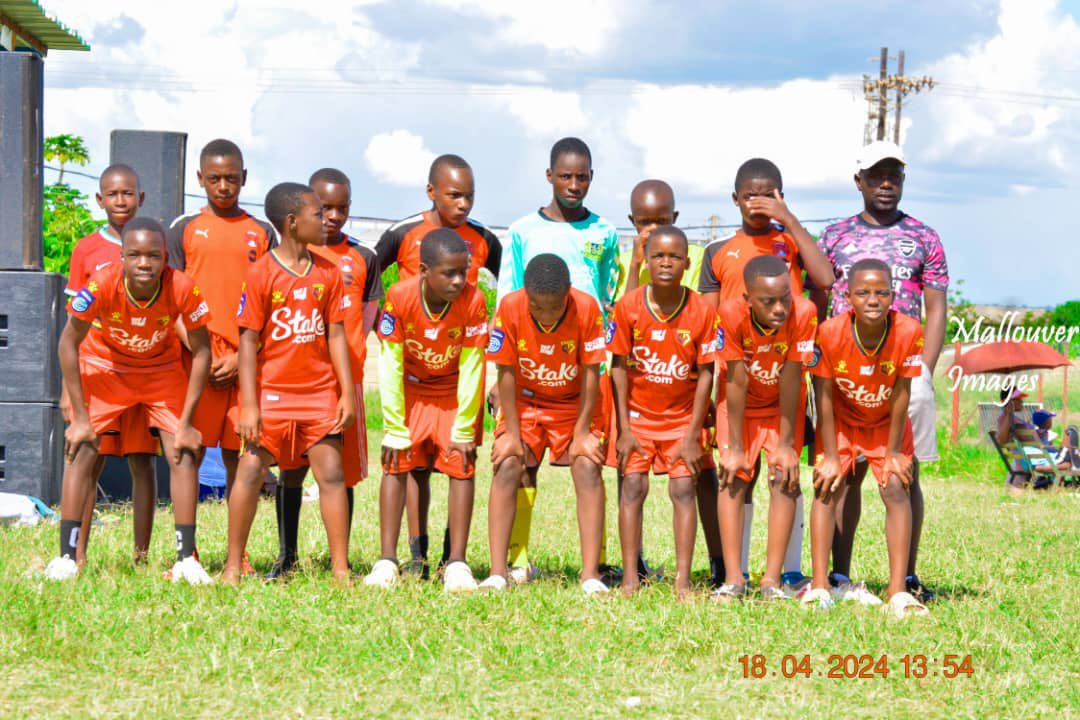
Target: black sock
446,546
418,546
716,566
69,537
185,541
291,501
277,514
350,498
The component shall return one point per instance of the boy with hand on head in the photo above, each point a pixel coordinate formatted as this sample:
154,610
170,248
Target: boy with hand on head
362,287
662,341
590,246
296,389
215,245
138,303
652,204
451,190
119,196
431,376
547,342
769,227
763,339
863,367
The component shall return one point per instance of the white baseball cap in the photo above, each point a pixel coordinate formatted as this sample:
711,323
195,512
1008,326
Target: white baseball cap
870,155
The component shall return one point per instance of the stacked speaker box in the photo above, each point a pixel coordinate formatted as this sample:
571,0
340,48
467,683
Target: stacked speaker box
31,301
158,159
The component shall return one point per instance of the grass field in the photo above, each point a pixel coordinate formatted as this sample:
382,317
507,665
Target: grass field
120,642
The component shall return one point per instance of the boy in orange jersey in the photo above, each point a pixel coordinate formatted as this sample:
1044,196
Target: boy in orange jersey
138,303
119,196
297,391
769,227
215,245
362,290
431,376
862,377
764,339
662,342
451,190
547,341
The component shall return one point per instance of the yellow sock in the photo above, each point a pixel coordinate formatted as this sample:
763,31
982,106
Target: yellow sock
519,533
603,541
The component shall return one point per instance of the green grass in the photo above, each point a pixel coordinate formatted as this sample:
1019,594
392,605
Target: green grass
120,642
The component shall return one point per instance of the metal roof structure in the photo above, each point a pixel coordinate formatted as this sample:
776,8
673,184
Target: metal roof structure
25,23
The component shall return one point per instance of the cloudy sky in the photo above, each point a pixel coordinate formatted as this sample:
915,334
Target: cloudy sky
682,91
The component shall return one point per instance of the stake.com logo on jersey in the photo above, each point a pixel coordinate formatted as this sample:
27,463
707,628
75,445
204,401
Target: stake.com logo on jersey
134,341
431,359
769,376
546,376
862,395
296,325
656,370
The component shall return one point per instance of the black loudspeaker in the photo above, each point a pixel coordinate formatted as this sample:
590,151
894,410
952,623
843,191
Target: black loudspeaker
32,314
21,154
158,158
31,450
115,480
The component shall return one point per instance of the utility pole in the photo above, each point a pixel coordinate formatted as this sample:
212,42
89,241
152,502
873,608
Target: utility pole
883,93
899,99
877,97
714,226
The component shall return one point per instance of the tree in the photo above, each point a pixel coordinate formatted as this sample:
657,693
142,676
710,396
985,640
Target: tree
65,214
66,149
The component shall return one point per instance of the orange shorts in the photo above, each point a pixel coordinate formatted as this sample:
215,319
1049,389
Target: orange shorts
159,394
658,454
870,442
354,449
430,420
215,417
130,436
763,433
293,423
550,427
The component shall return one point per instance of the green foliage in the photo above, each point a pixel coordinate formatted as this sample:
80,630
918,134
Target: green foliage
1067,314
959,306
66,149
65,219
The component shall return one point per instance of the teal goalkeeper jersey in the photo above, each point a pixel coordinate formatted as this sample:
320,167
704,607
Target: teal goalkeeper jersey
590,248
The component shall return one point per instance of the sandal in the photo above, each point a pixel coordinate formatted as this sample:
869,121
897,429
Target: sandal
904,604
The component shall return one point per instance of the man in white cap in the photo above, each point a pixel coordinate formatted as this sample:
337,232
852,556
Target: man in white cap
920,274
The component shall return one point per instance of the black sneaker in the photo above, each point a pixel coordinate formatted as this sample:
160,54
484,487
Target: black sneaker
610,574
920,592
716,572
647,574
284,566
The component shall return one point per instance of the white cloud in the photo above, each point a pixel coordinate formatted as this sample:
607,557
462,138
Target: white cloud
399,158
541,111
546,24
696,136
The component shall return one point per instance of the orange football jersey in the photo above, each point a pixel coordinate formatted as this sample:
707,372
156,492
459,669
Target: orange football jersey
401,244
764,353
548,361
216,252
662,357
91,254
361,283
138,336
724,262
432,343
291,313
863,379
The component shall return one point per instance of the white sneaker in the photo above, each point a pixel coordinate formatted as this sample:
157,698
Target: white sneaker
190,571
818,599
494,583
904,605
384,574
523,575
458,578
848,591
61,568
593,586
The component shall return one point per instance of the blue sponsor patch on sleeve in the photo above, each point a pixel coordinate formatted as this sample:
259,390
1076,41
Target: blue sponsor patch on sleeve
387,324
719,339
243,304
495,342
816,358
610,332
82,301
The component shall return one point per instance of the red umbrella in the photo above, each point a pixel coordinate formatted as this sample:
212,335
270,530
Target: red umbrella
1009,357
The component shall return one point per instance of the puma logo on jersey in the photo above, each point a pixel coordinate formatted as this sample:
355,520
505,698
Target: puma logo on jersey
734,253
204,232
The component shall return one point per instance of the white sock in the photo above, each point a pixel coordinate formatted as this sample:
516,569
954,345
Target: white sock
748,519
793,556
